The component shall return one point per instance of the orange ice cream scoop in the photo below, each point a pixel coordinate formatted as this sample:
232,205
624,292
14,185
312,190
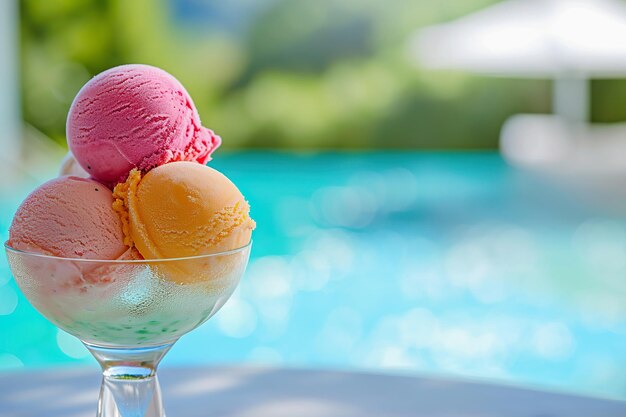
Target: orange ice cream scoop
183,209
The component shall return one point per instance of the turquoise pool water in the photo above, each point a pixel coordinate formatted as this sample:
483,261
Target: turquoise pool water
447,264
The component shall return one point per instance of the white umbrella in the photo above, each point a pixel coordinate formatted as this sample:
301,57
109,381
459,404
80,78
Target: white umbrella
569,40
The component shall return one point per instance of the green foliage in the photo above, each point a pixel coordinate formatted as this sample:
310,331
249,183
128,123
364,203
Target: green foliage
303,74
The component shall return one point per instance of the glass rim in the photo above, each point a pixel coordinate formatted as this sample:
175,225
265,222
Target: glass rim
124,261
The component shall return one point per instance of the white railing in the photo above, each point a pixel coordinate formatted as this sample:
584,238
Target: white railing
10,124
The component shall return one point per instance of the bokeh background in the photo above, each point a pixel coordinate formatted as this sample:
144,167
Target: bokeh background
392,235
283,74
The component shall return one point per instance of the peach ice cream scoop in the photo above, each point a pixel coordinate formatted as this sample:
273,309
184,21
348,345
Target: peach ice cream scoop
183,209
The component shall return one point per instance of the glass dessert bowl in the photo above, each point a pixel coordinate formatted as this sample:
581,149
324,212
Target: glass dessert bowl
128,312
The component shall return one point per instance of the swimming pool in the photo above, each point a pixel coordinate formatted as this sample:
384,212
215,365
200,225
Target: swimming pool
446,264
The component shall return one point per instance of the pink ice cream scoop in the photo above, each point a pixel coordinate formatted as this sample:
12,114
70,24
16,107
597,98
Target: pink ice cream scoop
69,217
135,116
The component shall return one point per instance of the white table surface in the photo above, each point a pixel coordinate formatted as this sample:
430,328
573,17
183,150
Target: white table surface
261,392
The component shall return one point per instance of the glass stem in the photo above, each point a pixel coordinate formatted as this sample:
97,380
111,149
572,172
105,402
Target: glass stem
130,387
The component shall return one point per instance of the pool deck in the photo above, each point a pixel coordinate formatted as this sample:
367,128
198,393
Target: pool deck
277,392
